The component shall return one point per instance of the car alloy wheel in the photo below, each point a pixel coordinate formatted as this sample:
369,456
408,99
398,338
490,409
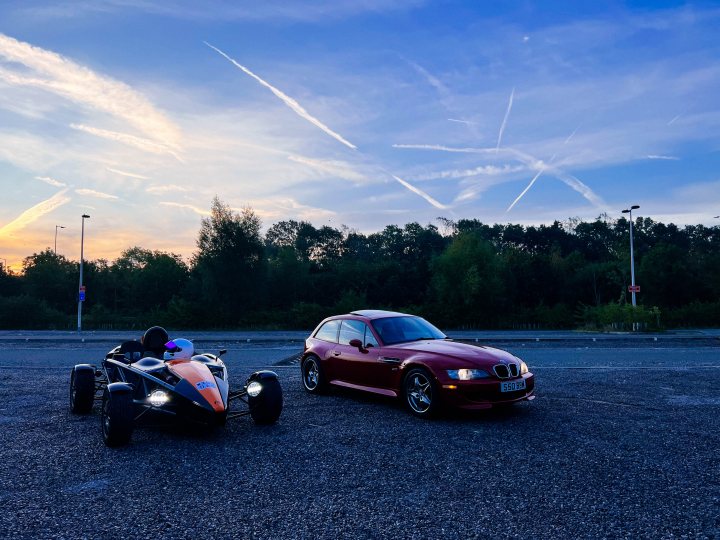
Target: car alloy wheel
419,392
311,374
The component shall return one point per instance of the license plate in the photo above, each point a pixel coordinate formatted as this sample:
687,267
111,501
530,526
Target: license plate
512,386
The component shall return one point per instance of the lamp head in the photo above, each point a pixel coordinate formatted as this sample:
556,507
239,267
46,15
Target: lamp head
85,216
625,211
634,207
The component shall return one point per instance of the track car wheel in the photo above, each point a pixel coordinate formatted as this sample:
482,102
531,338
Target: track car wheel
313,378
265,408
420,393
82,390
117,418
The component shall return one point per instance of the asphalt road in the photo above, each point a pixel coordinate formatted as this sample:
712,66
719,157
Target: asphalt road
621,442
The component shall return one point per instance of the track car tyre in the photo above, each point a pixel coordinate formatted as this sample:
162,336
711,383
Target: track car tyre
420,393
265,408
116,418
313,378
82,390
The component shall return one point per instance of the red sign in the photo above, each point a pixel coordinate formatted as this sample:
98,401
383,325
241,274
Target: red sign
633,288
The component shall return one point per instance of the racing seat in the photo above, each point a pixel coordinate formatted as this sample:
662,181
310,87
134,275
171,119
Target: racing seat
131,351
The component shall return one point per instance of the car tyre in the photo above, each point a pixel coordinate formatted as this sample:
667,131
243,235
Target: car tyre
82,390
420,393
117,418
265,408
313,378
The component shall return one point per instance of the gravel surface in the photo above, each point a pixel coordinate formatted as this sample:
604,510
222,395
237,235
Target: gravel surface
620,443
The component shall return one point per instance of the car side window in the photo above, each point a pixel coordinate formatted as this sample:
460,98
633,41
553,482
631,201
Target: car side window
328,331
370,340
351,329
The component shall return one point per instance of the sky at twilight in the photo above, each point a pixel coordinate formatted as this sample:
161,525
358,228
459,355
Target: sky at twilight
352,112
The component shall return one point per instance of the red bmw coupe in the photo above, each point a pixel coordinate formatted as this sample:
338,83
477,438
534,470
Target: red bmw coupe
405,356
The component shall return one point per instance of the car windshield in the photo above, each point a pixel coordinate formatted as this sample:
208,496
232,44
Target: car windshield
403,329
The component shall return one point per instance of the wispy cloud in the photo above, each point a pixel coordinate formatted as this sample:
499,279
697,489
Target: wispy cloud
290,102
64,77
420,192
671,158
52,181
95,194
505,119
340,169
128,174
199,211
165,189
36,212
141,143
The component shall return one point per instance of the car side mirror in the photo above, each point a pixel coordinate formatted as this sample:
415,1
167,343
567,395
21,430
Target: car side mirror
222,351
356,343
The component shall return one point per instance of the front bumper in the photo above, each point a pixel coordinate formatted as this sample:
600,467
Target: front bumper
484,393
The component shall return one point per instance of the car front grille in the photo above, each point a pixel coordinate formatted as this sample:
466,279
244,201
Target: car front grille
506,371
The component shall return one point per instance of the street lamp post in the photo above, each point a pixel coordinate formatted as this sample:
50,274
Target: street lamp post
80,295
56,228
632,254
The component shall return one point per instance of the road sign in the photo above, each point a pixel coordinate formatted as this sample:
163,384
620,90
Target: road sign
634,288
81,293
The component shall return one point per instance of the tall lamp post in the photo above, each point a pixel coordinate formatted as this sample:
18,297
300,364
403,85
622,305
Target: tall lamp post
632,254
81,292
56,228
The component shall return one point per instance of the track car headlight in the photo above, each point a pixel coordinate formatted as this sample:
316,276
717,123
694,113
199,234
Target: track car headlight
158,398
467,374
254,388
523,368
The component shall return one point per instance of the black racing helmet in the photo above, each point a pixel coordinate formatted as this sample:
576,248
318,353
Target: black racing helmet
154,340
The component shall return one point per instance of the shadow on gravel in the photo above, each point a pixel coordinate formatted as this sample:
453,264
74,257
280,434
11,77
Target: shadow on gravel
446,414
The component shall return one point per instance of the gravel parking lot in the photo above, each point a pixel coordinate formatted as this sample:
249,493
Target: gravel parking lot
621,442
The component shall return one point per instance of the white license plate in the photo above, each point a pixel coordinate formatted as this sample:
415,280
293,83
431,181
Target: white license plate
512,386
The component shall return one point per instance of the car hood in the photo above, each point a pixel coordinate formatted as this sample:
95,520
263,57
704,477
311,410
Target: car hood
474,355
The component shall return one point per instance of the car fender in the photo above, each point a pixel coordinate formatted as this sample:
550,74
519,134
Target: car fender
415,362
84,367
263,375
120,388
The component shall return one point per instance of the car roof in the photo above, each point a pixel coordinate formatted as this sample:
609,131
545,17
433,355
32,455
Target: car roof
378,313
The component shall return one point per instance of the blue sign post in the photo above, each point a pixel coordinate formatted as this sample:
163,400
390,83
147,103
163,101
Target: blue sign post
81,294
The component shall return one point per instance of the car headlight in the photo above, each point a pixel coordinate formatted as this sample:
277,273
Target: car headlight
467,374
523,368
158,398
254,388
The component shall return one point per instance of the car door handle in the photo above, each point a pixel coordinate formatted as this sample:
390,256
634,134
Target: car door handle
389,360
336,353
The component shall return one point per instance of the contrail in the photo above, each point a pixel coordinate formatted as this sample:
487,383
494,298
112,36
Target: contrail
671,122
525,190
571,135
460,121
420,192
529,160
542,169
290,102
654,156
504,122
35,213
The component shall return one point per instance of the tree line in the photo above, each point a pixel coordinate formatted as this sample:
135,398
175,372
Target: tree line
458,274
